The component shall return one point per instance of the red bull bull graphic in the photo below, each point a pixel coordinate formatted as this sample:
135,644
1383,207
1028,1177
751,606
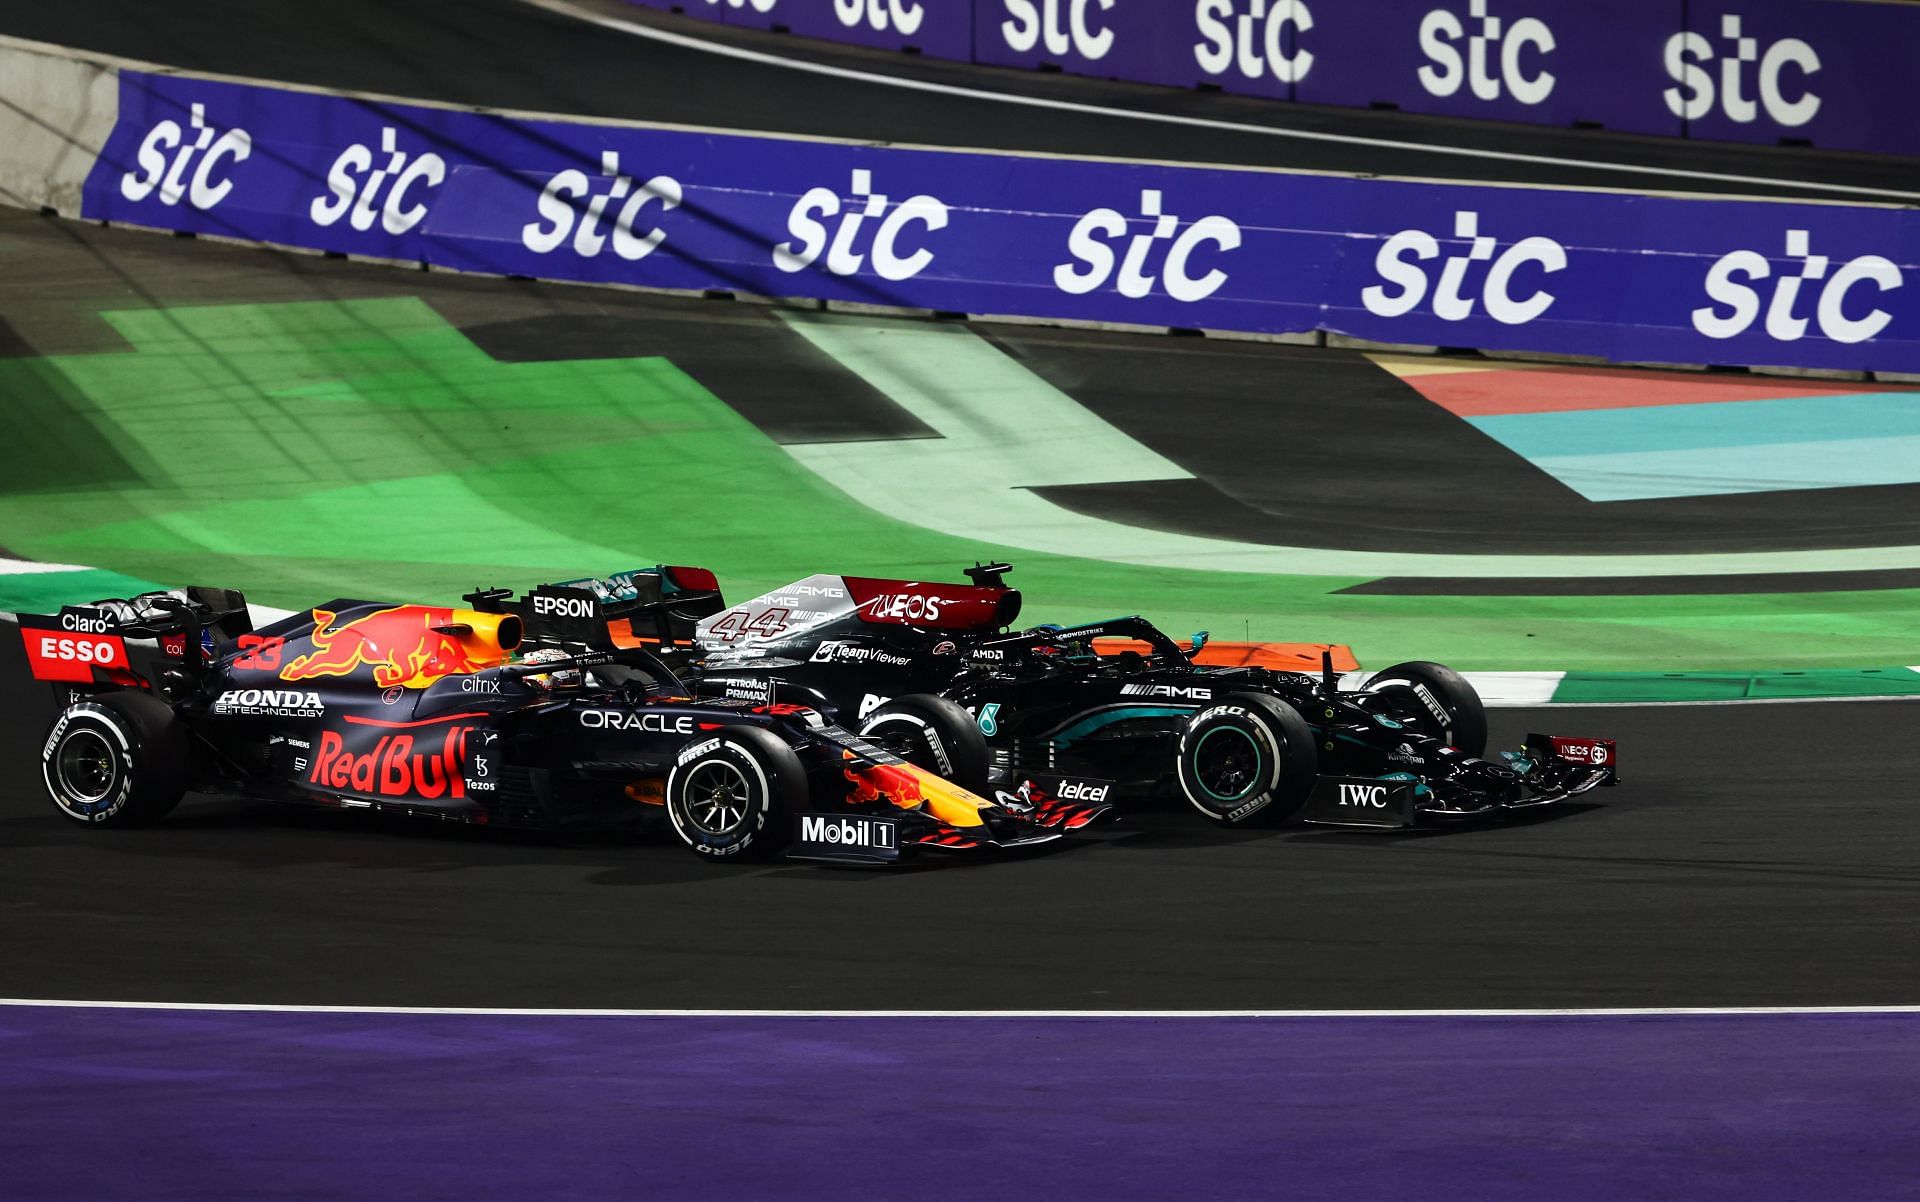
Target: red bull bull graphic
408,646
913,788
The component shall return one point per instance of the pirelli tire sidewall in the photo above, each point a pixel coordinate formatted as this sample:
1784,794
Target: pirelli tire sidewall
1267,734
933,733
118,759
1466,724
772,785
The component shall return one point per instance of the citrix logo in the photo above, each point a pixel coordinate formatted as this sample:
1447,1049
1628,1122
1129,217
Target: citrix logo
1396,264
1095,259
812,236
1440,30
879,15
1694,97
559,205
1252,39
1743,301
207,187
345,192
1035,22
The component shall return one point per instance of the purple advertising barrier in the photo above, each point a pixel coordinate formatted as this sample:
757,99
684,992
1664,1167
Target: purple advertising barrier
1625,277
1112,39
936,28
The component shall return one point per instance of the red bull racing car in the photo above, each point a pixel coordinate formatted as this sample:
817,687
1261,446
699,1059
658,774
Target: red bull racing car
425,710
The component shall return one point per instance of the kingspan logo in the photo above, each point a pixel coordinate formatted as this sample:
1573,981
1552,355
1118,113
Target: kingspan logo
354,184
194,166
1399,264
1092,245
813,236
569,205
848,832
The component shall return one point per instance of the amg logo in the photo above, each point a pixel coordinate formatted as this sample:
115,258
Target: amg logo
1174,691
273,703
1363,795
847,832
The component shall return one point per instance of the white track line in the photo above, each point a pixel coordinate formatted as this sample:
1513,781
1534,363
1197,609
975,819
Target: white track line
635,28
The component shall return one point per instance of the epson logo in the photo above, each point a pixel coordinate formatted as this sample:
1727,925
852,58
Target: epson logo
880,15
812,236
1743,303
348,192
560,206
207,185
1688,54
1062,26
662,724
911,607
1174,691
1440,33
551,605
1251,40
1075,790
278,703
1091,245
1372,796
847,832
1398,263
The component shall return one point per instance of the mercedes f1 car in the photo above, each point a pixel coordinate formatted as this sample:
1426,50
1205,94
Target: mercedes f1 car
1053,727
423,709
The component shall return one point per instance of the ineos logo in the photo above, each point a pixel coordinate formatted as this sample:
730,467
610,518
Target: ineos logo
1440,30
1364,795
560,206
1396,264
1095,258
1251,40
812,236
346,193
1034,22
206,187
1695,96
879,15
1743,302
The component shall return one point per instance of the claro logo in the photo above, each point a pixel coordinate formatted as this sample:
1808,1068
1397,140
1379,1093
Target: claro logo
354,184
809,219
1735,284
1060,26
880,15
192,163
1400,260
1493,55
563,213
1095,237
1689,55
1248,35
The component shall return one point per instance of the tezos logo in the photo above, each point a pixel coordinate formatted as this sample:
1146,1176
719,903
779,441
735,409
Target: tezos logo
1060,25
1742,301
349,193
1089,243
1364,795
812,236
1251,39
560,204
879,15
207,185
1399,260
1440,33
1687,56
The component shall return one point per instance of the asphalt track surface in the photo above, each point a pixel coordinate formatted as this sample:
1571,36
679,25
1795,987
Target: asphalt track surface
508,54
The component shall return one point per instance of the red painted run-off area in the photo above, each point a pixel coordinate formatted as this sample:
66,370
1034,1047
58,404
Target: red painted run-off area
1501,391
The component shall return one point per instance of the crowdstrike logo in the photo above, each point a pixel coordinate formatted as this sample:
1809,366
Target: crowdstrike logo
1440,35
1731,284
1399,264
1251,40
353,187
1062,26
1095,258
878,15
812,236
561,208
181,164
1688,56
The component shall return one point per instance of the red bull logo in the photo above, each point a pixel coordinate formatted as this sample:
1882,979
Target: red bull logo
404,645
897,783
394,768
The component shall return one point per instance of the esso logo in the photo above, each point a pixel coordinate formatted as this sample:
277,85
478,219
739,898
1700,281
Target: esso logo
561,203
1251,40
879,15
1487,40
1731,284
79,650
354,184
759,6
179,164
1093,241
1399,264
1687,56
808,223
1062,26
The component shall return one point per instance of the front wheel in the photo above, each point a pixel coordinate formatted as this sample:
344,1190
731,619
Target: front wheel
1248,761
730,797
935,734
120,759
1435,700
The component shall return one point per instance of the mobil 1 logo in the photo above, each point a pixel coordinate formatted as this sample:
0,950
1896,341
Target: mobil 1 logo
857,837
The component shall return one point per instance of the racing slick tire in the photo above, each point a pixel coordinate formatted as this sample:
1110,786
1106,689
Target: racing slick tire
935,734
730,797
1465,724
1248,760
118,759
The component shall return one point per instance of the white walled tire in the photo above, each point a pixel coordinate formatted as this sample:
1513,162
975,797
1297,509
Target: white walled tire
119,759
732,796
1247,761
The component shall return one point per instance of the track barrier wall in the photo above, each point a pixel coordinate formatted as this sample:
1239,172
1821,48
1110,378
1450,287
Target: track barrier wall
1625,277
1829,73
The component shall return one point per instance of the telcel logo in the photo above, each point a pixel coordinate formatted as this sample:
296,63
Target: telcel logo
812,236
1688,54
1095,259
1034,22
346,192
559,206
1743,301
1251,40
1440,33
208,185
1399,260
1374,796
879,15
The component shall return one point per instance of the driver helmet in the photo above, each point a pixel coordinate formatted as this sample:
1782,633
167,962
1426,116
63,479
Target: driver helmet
565,678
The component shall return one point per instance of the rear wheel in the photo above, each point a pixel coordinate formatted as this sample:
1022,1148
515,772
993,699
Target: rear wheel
731,797
1435,700
935,734
120,759
1248,761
